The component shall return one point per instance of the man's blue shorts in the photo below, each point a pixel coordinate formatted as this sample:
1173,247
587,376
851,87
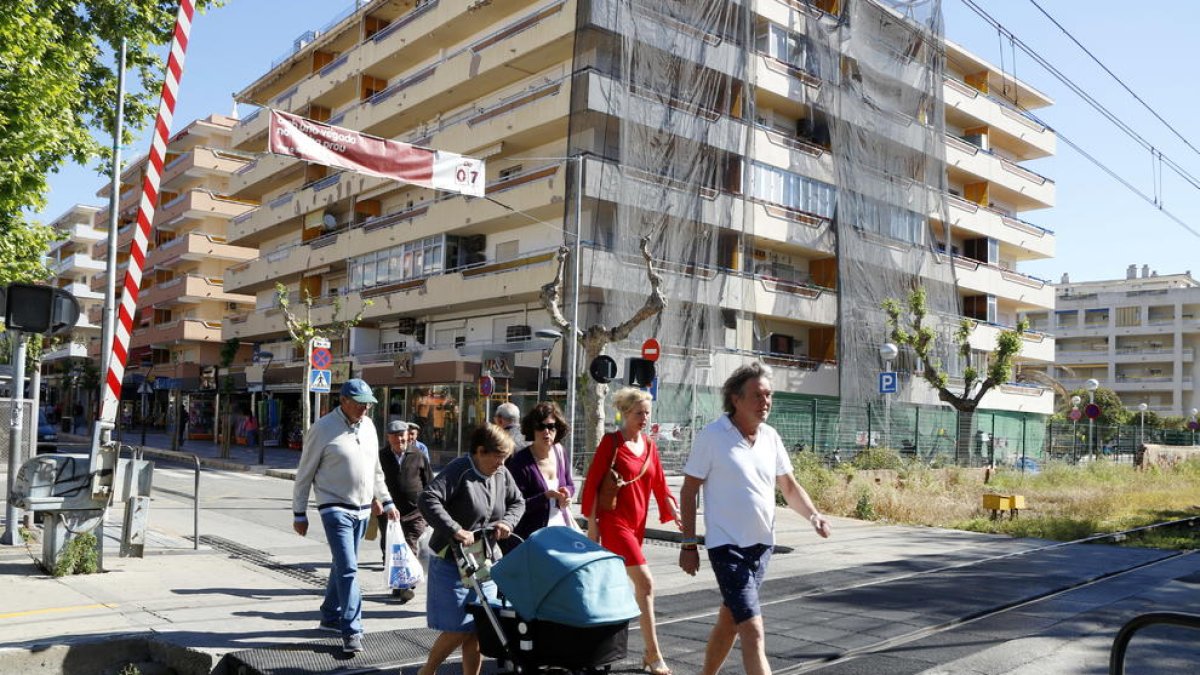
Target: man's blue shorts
740,572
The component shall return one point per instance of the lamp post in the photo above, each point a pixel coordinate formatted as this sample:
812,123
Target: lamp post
1091,385
544,371
888,352
1075,401
1193,424
1142,407
258,417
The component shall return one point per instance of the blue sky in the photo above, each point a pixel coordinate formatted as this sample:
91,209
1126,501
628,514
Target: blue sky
1101,227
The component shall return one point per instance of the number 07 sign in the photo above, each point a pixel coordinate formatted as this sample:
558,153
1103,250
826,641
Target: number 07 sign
326,144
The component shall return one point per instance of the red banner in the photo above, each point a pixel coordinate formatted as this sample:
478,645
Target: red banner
372,156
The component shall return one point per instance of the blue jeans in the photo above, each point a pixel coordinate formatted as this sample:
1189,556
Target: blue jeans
343,597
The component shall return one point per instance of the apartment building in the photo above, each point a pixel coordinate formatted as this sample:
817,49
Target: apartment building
72,265
1136,335
720,130
183,301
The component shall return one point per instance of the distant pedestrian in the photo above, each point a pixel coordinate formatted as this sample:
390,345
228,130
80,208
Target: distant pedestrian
407,473
740,460
508,417
341,463
414,433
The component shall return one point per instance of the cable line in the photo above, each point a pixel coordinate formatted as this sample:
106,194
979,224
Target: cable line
1114,76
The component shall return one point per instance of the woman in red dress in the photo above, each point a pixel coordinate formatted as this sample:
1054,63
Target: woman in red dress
621,530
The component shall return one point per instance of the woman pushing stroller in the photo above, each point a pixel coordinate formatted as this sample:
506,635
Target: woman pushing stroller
472,493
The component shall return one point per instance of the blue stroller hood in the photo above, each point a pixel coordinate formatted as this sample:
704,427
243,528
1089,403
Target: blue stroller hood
560,575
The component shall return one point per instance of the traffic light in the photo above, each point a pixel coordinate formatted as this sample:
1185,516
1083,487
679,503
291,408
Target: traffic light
603,369
29,308
639,372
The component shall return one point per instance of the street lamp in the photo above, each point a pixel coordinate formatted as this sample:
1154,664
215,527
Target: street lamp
544,371
1193,424
1142,407
888,352
1075,401
258,418
1091,385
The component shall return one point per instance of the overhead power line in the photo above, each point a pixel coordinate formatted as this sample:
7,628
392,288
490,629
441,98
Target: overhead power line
1119,81
1156,154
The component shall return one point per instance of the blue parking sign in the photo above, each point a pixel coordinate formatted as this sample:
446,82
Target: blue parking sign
887,382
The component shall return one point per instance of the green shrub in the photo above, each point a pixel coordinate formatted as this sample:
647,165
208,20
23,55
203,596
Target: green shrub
864,509
877,458
812,474
78,556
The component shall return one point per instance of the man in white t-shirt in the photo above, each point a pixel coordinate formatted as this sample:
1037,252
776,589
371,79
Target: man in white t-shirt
740,460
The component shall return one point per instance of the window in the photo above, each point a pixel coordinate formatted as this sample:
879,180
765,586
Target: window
792,191
411,260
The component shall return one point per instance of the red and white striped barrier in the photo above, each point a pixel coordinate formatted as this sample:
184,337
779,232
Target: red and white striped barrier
145,217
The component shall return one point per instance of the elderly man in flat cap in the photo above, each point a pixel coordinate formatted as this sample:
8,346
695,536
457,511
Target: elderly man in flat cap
406,471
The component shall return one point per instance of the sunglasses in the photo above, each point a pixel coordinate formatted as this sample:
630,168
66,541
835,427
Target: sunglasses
546,426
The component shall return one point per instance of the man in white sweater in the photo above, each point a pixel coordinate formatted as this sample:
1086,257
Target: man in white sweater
340,463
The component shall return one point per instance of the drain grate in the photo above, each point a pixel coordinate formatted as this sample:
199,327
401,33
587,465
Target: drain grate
264,560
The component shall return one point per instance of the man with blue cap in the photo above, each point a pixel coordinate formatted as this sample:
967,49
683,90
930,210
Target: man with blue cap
340,463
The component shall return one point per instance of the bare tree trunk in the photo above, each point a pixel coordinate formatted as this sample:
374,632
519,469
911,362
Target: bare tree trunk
596,338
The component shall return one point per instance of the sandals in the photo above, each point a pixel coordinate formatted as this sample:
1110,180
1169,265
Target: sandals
659,667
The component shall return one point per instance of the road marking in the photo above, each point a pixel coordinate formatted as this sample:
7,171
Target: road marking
54,610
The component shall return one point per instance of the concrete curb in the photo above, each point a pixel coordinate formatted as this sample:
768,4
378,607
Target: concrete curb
107,656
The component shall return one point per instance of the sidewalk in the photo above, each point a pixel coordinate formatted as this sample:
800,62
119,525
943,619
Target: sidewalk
278,461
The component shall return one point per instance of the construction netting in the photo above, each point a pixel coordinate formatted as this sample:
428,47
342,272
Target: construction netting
680,140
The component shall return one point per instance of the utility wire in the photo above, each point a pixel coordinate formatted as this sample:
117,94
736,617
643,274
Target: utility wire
1114,76
1099,107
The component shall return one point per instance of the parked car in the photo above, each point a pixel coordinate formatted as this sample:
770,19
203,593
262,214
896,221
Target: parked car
47,434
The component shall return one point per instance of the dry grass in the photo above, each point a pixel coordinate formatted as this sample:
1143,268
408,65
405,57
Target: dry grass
1062,502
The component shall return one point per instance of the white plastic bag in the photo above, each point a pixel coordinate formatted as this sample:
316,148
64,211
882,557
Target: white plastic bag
400,566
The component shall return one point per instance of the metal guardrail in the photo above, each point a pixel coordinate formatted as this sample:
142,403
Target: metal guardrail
1116,658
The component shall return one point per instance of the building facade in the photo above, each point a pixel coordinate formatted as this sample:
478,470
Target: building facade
1137,336
65,365
176,341
792,165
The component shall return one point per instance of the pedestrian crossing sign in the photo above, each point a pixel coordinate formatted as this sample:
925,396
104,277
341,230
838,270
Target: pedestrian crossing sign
318,381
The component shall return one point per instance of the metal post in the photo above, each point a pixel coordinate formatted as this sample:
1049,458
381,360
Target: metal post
114,202
16,424
573,339
868,425
917,432
1023,427
177,432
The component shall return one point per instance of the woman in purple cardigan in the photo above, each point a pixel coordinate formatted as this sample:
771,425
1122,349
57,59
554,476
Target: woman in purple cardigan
542,474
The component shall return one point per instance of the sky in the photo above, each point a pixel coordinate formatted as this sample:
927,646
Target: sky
1101,227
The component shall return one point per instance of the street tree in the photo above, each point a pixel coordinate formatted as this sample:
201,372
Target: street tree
59,80
907,325
595,338
302,330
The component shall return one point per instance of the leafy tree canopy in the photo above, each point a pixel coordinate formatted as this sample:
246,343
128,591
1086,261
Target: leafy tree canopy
59,81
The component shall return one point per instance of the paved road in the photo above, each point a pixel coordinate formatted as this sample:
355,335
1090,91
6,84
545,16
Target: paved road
871,599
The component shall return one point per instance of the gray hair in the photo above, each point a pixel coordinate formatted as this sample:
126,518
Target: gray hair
737,382
508,411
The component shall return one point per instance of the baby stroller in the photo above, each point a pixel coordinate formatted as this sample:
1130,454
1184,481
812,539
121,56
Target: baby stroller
566,603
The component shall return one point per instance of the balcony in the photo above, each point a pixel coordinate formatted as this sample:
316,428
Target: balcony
266,173
71,350
1035,346
1032,241
192,205
78,262
783,87
196,246
1009,127
1153,355
190,289
786,151
176,332
1012,183
199,163
531,43
80,234
1143,383
1028,292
